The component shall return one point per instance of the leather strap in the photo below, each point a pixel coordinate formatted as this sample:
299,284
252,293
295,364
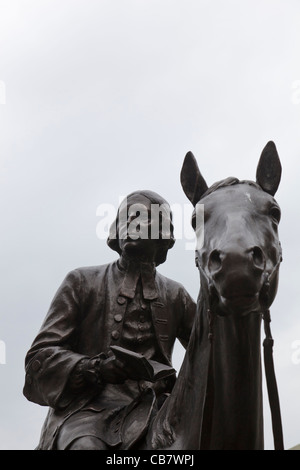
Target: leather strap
272,384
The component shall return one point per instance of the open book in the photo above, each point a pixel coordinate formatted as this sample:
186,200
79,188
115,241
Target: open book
144,369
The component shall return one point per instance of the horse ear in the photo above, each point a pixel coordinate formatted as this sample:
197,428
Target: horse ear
268,171
192,181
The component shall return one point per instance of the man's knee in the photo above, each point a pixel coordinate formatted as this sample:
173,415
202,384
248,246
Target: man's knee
87,443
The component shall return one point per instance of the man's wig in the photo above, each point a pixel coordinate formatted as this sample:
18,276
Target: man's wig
166,243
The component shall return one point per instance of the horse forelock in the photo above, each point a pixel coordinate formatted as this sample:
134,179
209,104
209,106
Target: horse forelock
230,181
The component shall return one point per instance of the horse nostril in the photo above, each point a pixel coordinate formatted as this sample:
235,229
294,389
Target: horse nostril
258,257
215,261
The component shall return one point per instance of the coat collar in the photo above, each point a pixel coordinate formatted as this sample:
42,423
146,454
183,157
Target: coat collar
133,271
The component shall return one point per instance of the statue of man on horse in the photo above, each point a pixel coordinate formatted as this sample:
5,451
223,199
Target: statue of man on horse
108,322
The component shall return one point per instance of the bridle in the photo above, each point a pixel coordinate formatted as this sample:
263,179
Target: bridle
269,364
268,344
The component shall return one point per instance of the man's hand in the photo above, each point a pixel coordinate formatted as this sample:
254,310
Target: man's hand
112,371
100,370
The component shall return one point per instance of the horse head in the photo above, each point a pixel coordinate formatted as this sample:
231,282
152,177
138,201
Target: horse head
217,401
241,252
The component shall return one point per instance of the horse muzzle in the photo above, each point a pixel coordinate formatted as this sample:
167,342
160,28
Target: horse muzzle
237,278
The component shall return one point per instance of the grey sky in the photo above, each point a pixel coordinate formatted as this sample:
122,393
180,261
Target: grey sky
106,97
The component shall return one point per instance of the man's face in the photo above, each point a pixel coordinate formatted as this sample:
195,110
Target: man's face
142,225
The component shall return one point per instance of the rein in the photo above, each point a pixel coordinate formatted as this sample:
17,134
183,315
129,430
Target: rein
268,363
269,367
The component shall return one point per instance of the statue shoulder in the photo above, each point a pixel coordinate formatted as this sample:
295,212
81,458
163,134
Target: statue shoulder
90,274
170,284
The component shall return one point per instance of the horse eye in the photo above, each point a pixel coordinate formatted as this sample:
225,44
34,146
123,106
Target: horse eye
275,214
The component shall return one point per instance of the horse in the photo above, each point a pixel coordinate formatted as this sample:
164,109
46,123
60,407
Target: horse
216,403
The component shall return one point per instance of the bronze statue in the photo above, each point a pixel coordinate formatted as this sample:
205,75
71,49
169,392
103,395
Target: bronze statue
95,399
216,401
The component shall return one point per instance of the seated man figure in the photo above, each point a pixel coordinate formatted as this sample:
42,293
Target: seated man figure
95,401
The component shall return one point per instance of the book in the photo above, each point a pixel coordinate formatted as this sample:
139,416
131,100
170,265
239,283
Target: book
142,368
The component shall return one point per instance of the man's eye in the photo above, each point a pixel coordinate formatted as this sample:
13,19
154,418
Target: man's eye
275,214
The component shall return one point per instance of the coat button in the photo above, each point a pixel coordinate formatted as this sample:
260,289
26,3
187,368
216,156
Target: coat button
36,365
121,300
115,334
118,317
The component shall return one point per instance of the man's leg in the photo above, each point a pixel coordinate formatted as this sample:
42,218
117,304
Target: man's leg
87,443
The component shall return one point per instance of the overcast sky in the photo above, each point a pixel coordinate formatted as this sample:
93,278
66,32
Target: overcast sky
100,98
